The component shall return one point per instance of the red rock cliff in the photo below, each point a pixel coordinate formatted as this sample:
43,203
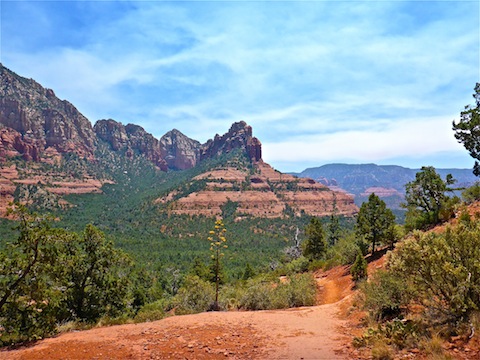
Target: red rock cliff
42,120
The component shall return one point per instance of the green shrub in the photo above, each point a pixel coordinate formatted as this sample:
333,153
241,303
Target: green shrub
300,290
196,295
384,295
230,295
345,251
359,268
472,193
398,333
151,312
316,265
261,294
296,266
443,269
258,295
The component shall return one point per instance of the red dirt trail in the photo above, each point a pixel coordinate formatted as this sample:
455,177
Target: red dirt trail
309,333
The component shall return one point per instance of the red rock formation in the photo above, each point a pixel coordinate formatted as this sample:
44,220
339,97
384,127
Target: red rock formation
180,151
113,133
132,139
265,194
239,136
42,119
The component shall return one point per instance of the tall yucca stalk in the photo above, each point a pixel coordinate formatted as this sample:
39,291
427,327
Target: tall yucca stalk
217,244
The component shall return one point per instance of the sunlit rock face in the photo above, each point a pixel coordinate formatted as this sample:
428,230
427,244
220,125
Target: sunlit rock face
42,120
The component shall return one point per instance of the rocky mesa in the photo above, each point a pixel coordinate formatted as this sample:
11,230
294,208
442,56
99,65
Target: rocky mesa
258,191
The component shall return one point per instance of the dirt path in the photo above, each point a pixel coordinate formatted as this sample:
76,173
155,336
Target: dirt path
309,333
303,333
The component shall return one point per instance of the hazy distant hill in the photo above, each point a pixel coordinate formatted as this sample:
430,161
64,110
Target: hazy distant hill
387,181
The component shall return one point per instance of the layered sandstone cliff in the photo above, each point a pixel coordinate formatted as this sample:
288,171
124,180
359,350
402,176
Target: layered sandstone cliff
40,120
260,192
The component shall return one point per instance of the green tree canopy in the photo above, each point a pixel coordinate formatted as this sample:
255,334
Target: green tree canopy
49,275
315,244
375,221
467,130
425,197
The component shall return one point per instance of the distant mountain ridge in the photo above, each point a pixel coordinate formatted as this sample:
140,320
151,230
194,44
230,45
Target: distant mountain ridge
387,181
48,149
37,126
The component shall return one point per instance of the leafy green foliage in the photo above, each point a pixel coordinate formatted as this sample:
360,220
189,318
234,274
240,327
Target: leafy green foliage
396,332
426,199
151,311
472,193
315,246
28,302
262,294
248,273
384,295
375,222
94,272
467,130
443,269
49,275
359,268
201,270
195,296
345,251
334,230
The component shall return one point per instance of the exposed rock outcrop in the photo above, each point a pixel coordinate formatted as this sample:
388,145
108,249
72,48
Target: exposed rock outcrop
238,137
132,139
179,150
38,126
175,150
267,193
113,133
41,119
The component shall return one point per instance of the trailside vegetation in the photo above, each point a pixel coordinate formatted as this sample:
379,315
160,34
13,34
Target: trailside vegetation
426,200
467,130
376,222
50,275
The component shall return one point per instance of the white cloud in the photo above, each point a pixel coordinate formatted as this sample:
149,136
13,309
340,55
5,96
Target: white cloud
410,138
350,80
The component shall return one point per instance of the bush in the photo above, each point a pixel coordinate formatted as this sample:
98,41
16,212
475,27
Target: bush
298,290
296,266
151,312
229,297
258,295
398,333
384,295
443,269
196,295
345,251
472,193
359,268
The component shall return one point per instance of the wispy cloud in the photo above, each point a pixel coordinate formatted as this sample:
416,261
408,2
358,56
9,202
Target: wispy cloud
365,80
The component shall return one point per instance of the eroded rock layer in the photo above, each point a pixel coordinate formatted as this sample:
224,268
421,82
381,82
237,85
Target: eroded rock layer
35,120
260,191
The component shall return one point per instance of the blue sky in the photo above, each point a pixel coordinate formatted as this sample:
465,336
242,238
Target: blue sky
319,81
